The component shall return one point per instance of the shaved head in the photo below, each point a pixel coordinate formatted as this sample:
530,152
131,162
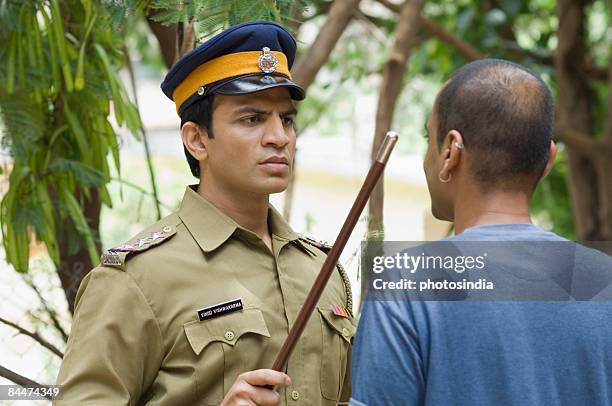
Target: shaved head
504,113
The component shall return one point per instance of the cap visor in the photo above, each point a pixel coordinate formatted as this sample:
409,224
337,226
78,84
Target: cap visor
257,83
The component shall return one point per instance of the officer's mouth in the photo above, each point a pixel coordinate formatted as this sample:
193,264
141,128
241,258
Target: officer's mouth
275,163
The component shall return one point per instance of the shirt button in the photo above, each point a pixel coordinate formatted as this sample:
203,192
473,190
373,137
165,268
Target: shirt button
229,335
344,331
295,395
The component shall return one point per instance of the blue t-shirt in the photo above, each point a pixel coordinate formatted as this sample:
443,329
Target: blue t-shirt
487,352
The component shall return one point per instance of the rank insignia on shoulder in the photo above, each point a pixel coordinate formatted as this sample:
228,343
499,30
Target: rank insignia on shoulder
323,246
149,239
340,311
110,258
326,248
117,256
123,248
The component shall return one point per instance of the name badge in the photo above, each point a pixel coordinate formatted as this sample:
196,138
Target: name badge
219,309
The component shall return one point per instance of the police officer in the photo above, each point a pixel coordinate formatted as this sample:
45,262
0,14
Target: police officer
196,307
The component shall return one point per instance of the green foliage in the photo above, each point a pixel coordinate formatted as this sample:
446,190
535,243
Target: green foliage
118,12
211,16
516,30
526,32
59,88
143,46
551,204
521,31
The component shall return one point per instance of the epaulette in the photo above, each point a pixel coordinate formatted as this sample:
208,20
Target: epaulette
117,256
325,247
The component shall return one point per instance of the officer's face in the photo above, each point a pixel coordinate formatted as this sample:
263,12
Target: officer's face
254,142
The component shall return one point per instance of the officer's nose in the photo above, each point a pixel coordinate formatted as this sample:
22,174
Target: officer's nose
276,133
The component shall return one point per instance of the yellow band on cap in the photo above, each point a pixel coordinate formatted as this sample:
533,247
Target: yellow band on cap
223,67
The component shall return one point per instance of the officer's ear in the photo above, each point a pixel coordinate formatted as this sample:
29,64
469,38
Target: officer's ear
194,140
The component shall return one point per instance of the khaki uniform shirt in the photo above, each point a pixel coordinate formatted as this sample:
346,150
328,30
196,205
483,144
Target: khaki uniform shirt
136,337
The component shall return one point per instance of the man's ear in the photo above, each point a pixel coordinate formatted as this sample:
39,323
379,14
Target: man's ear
452,147
193,137
552,154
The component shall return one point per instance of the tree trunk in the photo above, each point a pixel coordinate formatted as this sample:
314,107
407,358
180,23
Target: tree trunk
288,202
310,63
589,163
74,266
574,114
393,75
604,170
166,37
465,49
306,67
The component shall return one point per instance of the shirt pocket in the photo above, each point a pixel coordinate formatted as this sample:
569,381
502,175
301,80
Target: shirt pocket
216,344
338,333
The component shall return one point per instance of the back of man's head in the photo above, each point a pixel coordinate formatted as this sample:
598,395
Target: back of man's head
504,113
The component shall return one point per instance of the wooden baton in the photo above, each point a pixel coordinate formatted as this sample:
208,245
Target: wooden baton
327,269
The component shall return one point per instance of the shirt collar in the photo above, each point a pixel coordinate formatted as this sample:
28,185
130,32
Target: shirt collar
211,228
279,227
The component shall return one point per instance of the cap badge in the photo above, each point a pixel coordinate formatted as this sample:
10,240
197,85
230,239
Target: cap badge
267,62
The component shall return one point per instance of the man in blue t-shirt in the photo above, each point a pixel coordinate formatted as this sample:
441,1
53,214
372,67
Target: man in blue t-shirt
490,142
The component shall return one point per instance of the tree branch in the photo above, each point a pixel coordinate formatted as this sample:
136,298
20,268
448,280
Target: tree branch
50,312
20,379
405,39
464,48
604,168
470,53
185,40
608,128
289,192
35,336
309,64
374,24
597,73
582,143
585,145
574,113
390,5
142,191
166,37
143,132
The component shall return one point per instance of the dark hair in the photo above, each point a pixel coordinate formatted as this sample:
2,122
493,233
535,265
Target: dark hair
504,113
199,112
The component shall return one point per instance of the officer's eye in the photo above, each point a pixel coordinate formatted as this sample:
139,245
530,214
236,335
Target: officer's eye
251,119
289,120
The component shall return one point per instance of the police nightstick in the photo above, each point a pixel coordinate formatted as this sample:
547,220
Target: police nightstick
376,170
